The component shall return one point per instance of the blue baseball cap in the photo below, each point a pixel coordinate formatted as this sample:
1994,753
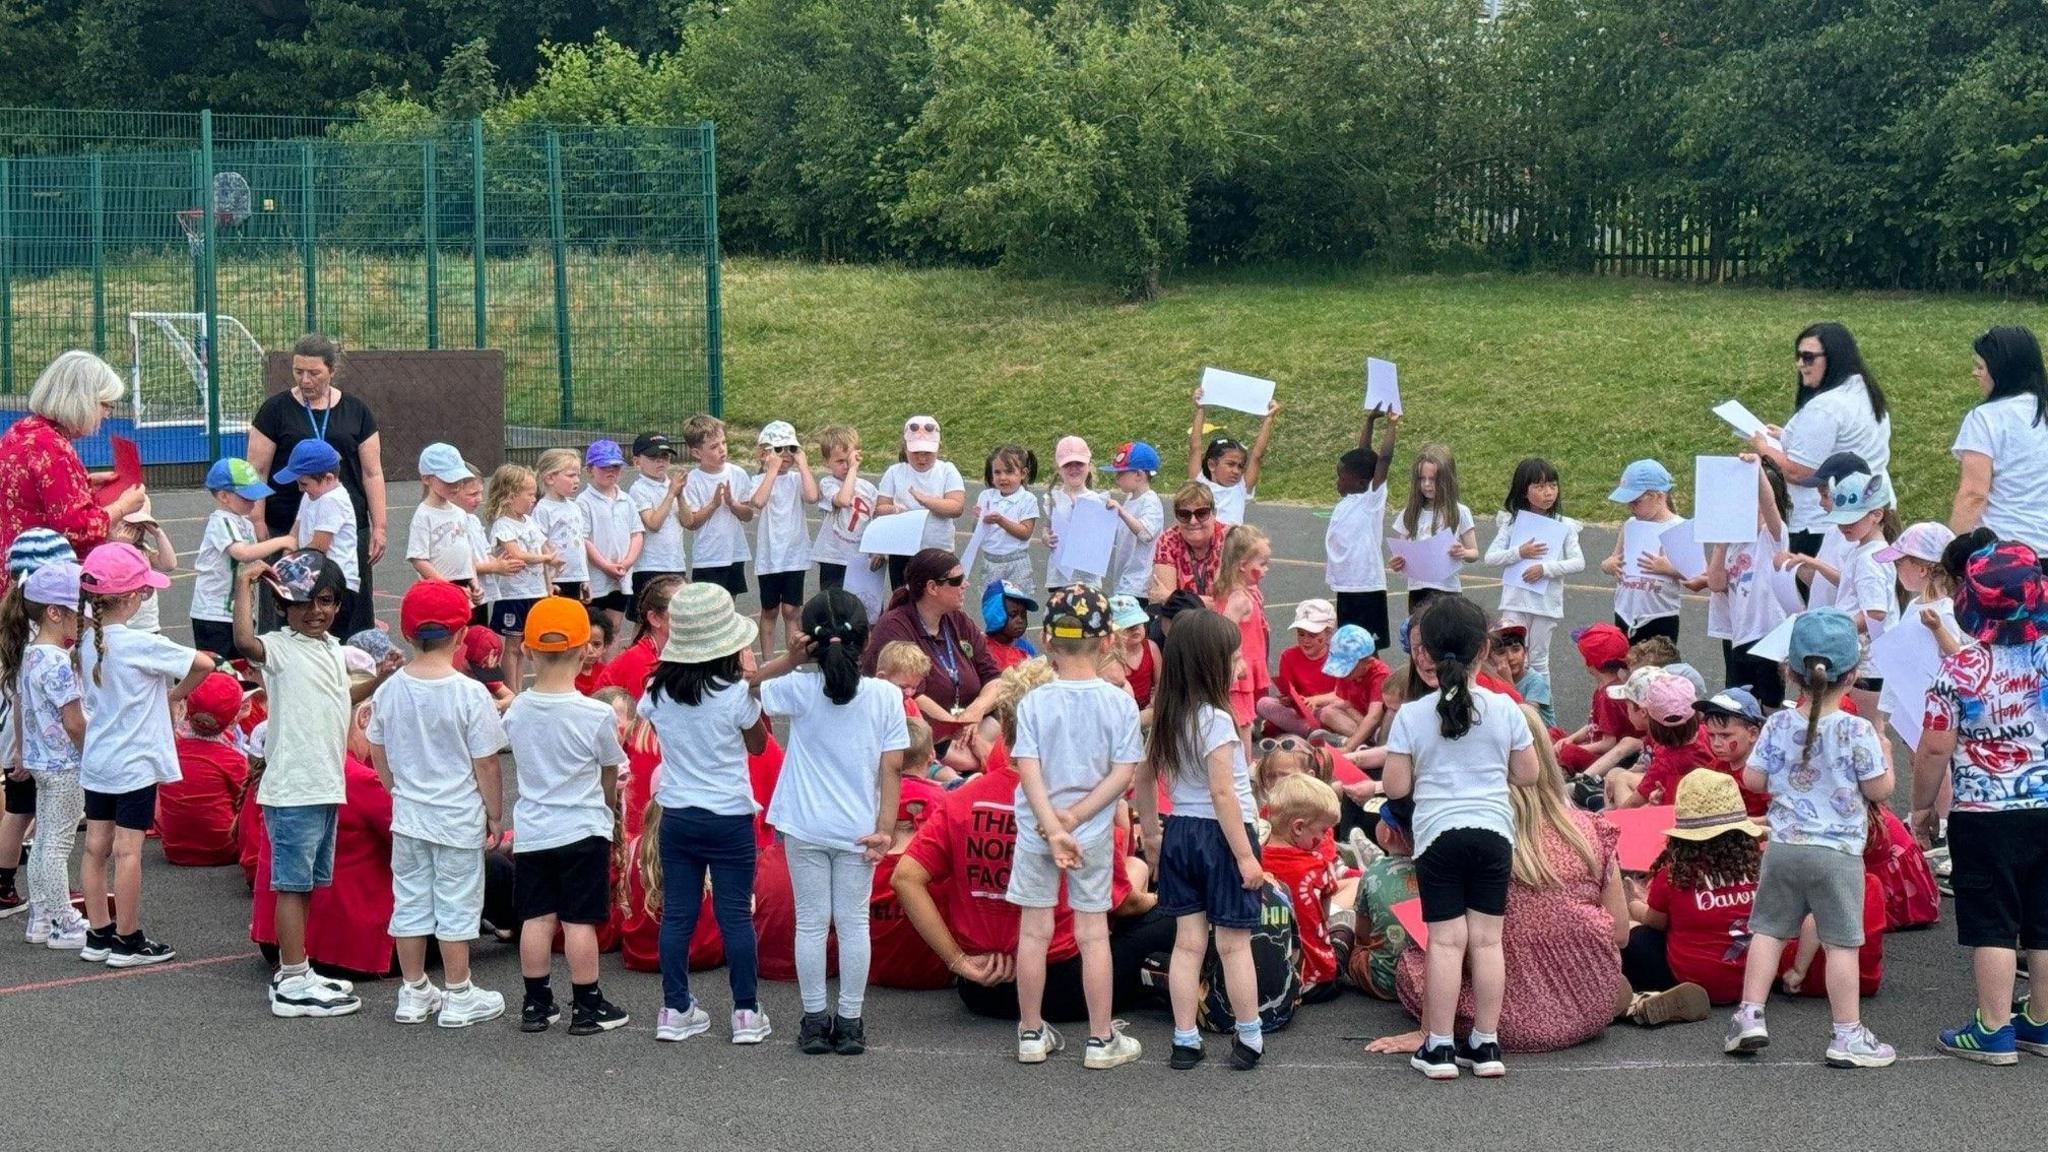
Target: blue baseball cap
1133,456
1348,646
1826,634
444,462
1735,701
1640,477
994,613
604,454
1857,495
234,474
1126,612
309,458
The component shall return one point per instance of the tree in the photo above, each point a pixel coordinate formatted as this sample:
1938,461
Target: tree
468,83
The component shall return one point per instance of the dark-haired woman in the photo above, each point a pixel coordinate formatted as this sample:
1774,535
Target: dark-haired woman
1839,408
928,610
314,409
2003,443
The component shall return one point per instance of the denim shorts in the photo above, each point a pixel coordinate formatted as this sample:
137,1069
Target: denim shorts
1197,873
301,845
1035,879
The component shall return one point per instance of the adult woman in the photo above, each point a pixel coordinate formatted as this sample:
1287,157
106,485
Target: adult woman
1839,409
2003,443
1190,551
1985,724
926,611
315,409
42,482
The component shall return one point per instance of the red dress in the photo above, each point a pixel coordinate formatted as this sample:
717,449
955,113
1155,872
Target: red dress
43,485
1253,632
195,816
347,921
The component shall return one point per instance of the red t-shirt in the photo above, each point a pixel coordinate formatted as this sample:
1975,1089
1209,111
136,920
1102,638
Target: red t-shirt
1668,765
1301,676
1756,802
630,670
195,816
640,929
587,683
1364,687
1309,882
1005,655
898,956
1610,717
1707,942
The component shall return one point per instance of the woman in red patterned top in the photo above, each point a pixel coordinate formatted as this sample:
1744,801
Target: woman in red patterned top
42,482
1190,551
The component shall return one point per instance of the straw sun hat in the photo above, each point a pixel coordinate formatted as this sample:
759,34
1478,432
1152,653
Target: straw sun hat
702,626
1708,804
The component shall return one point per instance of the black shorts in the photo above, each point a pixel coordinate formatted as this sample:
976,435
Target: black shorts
134,810
831,575
1464,870
508,617
1197,873
1368,610
780,589
2000,877
572,882
569,589
215,636
21,796
612,602
1665,626
731,577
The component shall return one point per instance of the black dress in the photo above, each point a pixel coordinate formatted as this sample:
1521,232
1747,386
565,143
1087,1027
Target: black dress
345,425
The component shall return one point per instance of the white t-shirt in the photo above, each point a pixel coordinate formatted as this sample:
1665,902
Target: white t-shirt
1835,550
1868,586
610,522
1354,541
1131,557
562,742
48,683
530,582
1189,789
1753,608
1641,596
128,739
780,543
213,580
829,788
1517,595
331,513
661,550
1075,729
432,732
1231,500
1460,783
839,529
703,754
996,541
722,539
149,614
2006,431
1837,420
440,536
308,685
561,522
1425,527
941,479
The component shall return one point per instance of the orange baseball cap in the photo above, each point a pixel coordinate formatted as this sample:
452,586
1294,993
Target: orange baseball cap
557,624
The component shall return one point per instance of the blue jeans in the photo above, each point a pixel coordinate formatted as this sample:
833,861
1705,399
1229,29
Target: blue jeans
694,841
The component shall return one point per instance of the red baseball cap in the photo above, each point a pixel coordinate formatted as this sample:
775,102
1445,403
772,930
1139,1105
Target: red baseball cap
212,706
1602,646
433,610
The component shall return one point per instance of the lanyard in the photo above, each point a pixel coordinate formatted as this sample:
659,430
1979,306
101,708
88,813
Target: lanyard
319,426
948,658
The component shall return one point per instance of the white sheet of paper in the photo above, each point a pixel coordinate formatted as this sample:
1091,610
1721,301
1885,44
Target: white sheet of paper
1382,385
1638,537
1785,585
1739,418
1221,389
1724,499
1428,560
1776,644
1087,538
870,585
899,534
1683,550
1529,526
973,550
1909,658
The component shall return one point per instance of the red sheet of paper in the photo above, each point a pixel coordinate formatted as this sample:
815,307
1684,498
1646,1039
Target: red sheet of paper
1409,914
127,471
1642,834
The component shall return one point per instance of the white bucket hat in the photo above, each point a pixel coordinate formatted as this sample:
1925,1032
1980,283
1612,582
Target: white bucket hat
703,626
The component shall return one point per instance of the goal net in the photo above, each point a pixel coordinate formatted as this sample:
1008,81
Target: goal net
167,369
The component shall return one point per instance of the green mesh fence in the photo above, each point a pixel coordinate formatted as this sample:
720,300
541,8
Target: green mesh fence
182,247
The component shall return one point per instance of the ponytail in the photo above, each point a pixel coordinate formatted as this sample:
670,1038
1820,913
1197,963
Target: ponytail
1454,634
89,609
837,625
1456,711
14,629
1816,685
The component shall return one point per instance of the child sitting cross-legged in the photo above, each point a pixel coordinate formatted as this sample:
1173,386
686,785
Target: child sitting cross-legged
1691,937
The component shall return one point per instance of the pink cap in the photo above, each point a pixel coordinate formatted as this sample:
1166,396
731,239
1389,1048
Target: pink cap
1069,450
1668,700
1922,541
921,434
116,569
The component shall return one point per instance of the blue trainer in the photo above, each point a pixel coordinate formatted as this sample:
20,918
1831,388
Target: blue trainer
1976,1042
2029,1034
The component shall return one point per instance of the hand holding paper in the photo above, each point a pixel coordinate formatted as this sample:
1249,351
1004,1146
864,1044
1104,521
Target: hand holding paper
1536,538
1241,393
899,534
1428,562
1087,539
1382,386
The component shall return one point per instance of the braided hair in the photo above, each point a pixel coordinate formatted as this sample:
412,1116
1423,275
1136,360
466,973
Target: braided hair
837,625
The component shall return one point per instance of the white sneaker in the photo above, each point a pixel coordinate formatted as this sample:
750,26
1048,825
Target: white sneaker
1034,1047
470,1005
1119,1049
416,1004
674,1025
67,933
342,986
307,995
38,924
749,1026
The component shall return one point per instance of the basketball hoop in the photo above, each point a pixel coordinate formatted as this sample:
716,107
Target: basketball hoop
230,207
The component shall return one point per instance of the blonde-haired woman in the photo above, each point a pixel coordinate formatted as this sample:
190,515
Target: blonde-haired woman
42,482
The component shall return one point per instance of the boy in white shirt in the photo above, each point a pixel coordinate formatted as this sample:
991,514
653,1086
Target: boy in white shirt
1078,747
566,747
1352,545
657,493
327,521
845,505
781,550
612,532
434,739
228,542
437,541
1142,514
715,504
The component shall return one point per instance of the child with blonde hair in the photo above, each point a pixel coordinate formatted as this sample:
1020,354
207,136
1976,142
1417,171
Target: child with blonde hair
845,504
38,625
1237,596
612,532
1302,810
1645,600
782,553
516,536
561,521
1076,479
717,501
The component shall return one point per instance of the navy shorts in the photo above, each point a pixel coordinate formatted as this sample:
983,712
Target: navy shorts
780,589
1197,873
569,589
731,577
508,617
21,796
135,810
571,881
611,602
215,636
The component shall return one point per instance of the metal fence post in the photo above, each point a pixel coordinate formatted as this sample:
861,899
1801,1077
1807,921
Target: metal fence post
430,231
211,288
557,234
99,255
309,249
478,298
714,355
6,275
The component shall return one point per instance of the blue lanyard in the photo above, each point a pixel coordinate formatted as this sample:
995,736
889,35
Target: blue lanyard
319,426
947,658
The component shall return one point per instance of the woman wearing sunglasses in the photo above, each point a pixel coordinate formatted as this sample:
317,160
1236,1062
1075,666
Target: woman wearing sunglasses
928,610
1188,554
1839,408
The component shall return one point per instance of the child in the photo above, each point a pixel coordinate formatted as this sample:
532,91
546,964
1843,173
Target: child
657,495
1386,881
1237,595
1352,546
1302,692
141,529
1739,577
1077,751
1142,518
469,496
1692,926
228,541
1916,557
1733,719
1302,810
566,749
1858,583
612,532
1225,467
1005,617
130,679
905,665
708,723
845,502
1675,745
1534,599
1007,514
590,672
326,521
1607,730
1135,656
782,552
919,479
1508,656
304,778
1645,603
561,522
1363,682
1076,477
835,804
433,738
38,624
515,535
195,814
715,505
437,540
1455,750
1819,769
1207,857
1433,507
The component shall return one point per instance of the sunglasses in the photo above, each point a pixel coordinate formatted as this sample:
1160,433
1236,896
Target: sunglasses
786,450
952,581
915,427
1284,744
1193,515
1812,357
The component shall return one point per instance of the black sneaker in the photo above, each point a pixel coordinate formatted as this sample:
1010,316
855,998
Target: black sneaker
536,1015
136,951
12,904
814,1034
1438,1063
1588,792
99,943
1184,1057
1243,1056
1482,1060
849,1037
603,1016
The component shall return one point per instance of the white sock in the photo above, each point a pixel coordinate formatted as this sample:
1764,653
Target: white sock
1475,1038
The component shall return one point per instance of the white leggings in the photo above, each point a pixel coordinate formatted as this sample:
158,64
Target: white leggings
831,887
59,802
1539,629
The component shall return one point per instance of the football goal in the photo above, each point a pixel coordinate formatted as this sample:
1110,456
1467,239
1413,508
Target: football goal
167,369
